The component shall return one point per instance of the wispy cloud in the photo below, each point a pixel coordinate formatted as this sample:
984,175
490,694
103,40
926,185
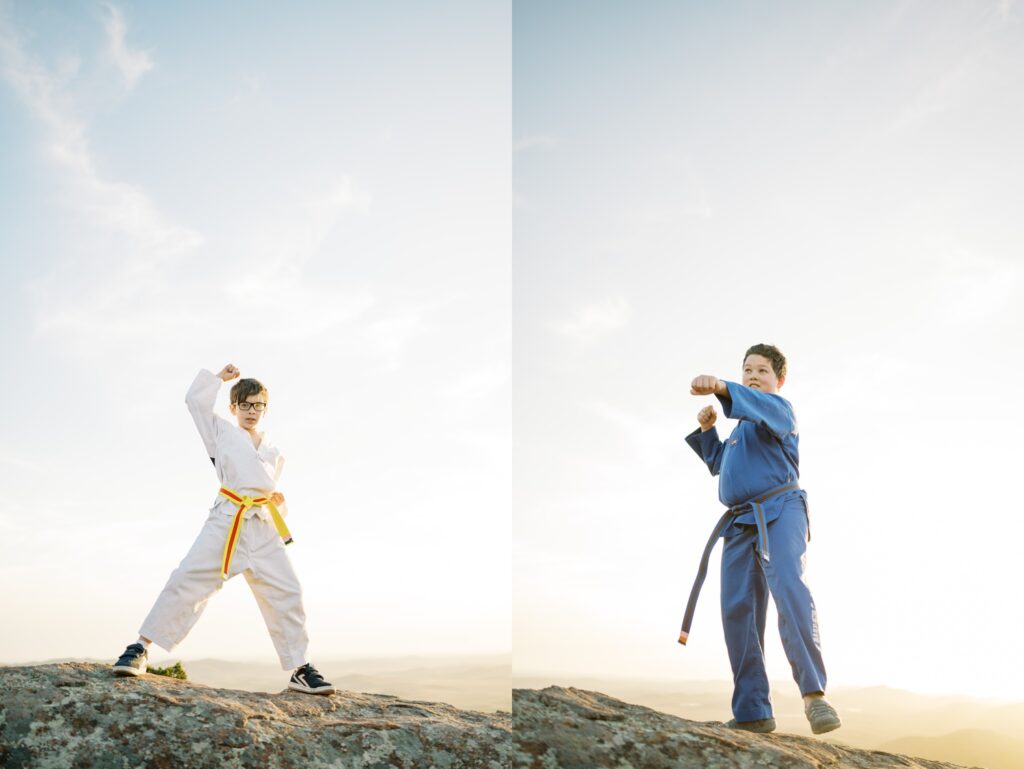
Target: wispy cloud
10,460
938,96
275,279
684,196
973,288
131,64
655,441
478,385
101,300
534,142
248,87
595,320
266,277
345,195
285,243
389,336
648,217
101,293
117,205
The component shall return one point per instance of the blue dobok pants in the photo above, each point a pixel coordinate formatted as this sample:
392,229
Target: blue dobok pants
746,583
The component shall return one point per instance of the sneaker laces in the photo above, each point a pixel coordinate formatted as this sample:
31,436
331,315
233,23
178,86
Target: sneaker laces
311,673
819,707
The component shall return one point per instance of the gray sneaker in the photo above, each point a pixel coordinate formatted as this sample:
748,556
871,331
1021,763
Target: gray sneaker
761,726
823,717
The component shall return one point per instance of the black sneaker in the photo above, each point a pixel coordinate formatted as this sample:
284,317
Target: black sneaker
307,679
132,662
761,726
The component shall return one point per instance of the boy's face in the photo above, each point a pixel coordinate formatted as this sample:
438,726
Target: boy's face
247,415
758,374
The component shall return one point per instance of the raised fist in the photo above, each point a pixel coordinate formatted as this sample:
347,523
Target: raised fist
705,384
707,416
228,373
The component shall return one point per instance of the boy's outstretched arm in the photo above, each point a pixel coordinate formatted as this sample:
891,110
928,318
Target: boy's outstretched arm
200,399
769,410
705,384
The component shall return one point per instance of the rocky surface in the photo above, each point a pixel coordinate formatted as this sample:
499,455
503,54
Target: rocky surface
558,728
78,716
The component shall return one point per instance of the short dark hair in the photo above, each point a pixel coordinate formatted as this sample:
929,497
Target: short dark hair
772,353
245,387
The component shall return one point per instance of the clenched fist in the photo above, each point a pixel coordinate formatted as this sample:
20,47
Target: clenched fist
707,416
228,373
706,384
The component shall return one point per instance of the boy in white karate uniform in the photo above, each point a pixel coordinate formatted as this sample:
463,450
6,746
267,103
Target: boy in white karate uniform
244,533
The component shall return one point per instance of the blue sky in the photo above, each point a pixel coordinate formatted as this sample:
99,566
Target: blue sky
841,180
477,252
320,196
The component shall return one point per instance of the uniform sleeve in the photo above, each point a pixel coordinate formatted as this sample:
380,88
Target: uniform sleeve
768,410
708,447
200,398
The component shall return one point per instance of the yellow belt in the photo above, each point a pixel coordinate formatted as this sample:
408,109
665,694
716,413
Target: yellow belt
235,533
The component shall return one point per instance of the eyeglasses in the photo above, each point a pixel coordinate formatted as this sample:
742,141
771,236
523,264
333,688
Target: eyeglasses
245,405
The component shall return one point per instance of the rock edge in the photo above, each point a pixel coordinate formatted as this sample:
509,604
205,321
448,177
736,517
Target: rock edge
80,715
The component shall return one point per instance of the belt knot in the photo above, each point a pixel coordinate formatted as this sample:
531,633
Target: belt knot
724,522
246,503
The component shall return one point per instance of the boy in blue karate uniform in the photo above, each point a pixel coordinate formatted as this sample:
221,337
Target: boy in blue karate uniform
765,535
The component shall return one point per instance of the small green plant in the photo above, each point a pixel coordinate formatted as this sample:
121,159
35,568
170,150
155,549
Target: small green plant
174,671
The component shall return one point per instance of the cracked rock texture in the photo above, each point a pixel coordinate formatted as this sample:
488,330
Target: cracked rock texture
558,728
79,716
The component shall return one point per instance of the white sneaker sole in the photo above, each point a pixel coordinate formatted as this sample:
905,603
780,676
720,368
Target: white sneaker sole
308,690
124,670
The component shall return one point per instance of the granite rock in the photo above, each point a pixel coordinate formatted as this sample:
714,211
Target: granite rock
79,716
567,728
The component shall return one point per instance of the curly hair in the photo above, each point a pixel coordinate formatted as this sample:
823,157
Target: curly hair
773,354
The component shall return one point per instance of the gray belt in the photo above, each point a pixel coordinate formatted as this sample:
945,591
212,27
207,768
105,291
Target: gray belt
723,523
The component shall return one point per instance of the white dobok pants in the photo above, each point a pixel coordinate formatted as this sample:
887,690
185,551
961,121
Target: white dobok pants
260,555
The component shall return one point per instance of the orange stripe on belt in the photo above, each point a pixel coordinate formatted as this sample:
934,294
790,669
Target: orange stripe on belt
245,503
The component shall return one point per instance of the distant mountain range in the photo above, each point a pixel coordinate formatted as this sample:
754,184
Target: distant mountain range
977,747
